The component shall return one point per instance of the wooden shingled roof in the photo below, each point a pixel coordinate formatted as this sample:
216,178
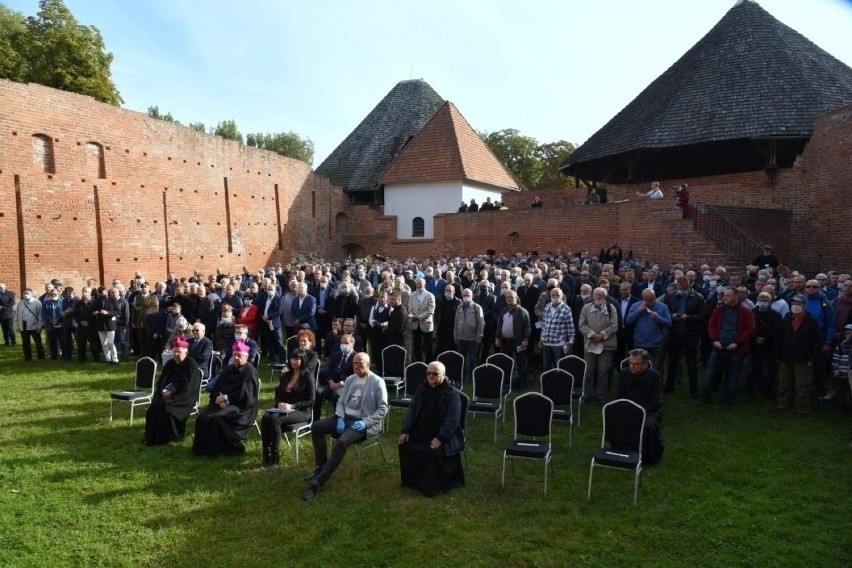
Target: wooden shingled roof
447,148
751,77
359,160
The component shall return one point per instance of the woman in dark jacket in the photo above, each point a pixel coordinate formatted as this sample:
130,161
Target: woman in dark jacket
294,400
105,313
431,442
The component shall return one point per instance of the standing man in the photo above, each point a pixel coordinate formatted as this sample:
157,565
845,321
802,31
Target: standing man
394,327
7,315
557,330
731,328
84,313
445,319
513,335
359,413
270,327
486,300
468,330
421,311
51,315
687,311
800,349
28,323
599,327
649,318
764,353
818,305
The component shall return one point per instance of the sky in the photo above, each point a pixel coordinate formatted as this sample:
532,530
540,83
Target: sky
552,69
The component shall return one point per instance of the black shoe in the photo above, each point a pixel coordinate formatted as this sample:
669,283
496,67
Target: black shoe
310,492
313,475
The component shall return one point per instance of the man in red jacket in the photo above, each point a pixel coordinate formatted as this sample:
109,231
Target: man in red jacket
731,328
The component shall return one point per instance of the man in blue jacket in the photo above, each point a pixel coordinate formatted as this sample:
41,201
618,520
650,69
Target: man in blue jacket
649,318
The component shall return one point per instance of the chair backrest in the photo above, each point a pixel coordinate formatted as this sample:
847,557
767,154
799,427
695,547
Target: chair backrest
454,364
465,402
415,375
393,361
504,362
623,425
488,382
146,374
575,366
533,413
292,345
557,385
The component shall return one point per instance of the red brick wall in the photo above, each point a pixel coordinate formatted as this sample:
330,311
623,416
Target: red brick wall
161,205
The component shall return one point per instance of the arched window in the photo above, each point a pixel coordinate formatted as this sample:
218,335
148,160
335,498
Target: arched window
417,227
43,153
95,166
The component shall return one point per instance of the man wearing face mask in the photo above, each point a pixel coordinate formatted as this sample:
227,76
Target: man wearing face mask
649,318
486,300
513,334
687,310
28,323
421,312
762,356
468,330
557,330
798,353
331,376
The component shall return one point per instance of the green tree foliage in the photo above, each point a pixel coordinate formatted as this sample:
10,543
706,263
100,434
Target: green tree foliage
199,126
228,129
534,165
154,112
287,144
61,53
13,32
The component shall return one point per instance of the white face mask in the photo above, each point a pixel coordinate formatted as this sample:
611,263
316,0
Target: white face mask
466,299
796,309
585,297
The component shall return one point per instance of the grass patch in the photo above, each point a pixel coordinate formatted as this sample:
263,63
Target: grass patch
745,487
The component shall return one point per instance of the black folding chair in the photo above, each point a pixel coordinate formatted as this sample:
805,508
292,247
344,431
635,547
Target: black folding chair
577,368
506,363
393,365
558,386
143,389
623,429
415,375
533,419
488,397
454,365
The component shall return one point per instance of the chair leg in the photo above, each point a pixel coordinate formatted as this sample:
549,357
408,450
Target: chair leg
591,472
256,425
111,402
545,476
132,408
495,428
636,487
503,476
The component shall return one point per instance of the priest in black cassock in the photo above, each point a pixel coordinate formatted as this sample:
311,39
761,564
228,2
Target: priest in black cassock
644,387
221,427
174,397
431,442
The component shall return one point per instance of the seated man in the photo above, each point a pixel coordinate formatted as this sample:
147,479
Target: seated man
644,387
174,397
331,377
432,440
360,412
221,427
201,349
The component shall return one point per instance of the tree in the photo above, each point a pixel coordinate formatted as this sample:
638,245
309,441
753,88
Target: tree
199,126
534,165
13,32
287,144
228,129
64,54
154,112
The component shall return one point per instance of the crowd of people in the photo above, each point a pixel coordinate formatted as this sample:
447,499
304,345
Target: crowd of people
645,323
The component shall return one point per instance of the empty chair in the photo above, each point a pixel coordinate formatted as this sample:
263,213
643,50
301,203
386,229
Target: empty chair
577,367
558,386
143,388
415,374
393,365
454,364
506,363
533,412
488,397
623,426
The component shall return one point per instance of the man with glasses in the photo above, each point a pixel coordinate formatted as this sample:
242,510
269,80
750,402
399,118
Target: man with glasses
201,349
818,305
359,414
643,386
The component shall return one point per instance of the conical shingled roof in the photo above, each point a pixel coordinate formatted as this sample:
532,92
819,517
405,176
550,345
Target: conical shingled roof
751,76
447,148
359,160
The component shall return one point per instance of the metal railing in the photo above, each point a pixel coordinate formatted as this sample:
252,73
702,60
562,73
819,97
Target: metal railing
718,227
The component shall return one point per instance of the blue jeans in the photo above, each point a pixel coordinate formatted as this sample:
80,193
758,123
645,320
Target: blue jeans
729,361
121,340
468,349
551,355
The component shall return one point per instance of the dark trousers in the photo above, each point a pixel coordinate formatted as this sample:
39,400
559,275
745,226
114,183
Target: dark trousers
272,339
270,427
88,335
683,347
487,343
26,334
326,465
421,342
54,341
762,370
67,343
722,361
121,341
8,330
510,348
654,354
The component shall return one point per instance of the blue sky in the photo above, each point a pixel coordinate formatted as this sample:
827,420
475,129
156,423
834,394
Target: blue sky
554,70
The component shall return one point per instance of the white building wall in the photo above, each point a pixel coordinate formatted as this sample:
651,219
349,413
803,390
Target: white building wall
425,200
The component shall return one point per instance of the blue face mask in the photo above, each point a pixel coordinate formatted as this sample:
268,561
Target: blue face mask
763,306
706,278
344,348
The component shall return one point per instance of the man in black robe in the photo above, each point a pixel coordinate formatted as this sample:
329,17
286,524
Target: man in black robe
645,387
221,427
174,397
431,442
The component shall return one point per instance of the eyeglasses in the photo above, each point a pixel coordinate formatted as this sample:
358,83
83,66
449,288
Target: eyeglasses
432,373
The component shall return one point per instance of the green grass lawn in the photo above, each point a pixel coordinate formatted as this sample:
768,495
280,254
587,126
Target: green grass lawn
745,487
